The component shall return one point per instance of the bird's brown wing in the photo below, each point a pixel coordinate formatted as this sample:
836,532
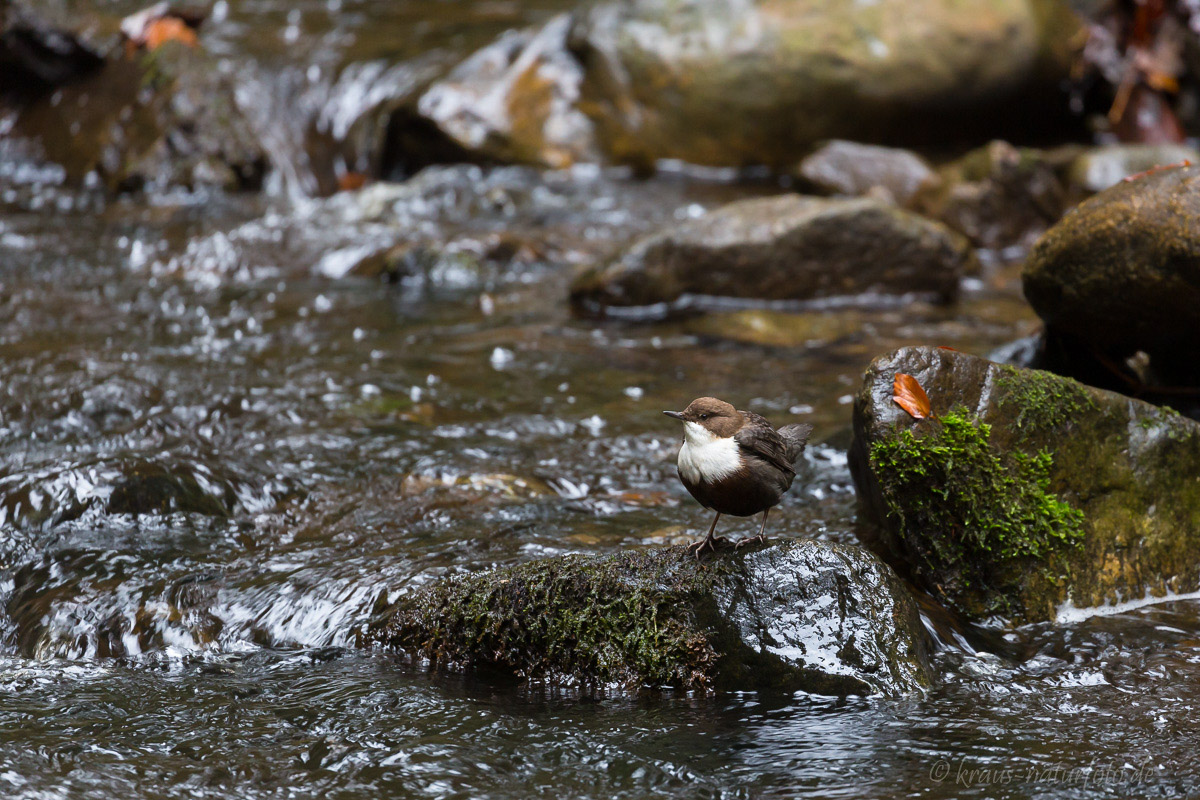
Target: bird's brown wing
760,440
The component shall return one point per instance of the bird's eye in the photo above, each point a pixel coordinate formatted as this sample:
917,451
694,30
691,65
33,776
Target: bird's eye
704,416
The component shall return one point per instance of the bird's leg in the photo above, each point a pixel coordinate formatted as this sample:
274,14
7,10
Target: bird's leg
762,533
709,542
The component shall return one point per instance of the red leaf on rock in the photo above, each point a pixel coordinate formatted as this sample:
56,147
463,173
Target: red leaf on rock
909,395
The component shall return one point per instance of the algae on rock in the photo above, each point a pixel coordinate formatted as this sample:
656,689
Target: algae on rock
1030,490
798,615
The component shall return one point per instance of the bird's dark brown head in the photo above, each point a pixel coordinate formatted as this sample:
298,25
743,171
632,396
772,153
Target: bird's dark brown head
716,416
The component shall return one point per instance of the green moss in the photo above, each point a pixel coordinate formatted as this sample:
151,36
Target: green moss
1042,401
554,619
977,516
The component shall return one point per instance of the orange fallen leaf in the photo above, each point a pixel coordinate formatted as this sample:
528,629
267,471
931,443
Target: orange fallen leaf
909,395
948,347
168,29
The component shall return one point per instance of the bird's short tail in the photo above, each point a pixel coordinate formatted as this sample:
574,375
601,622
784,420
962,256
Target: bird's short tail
795,437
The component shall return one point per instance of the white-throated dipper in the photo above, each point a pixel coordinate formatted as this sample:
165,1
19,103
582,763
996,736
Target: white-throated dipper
735,462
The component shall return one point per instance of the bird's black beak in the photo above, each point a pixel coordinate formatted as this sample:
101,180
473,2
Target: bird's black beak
675,414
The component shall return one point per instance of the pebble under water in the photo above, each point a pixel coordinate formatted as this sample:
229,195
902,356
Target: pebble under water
218,449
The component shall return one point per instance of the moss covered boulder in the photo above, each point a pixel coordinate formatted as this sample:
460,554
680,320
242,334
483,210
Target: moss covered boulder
1121,273
1026,491
788,247
800,615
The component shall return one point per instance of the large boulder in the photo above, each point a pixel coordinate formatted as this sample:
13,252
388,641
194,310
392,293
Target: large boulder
737,82
788,247
1121,273
798,615
1026,491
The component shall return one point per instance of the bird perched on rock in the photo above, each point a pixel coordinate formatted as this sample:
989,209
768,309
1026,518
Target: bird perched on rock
735,462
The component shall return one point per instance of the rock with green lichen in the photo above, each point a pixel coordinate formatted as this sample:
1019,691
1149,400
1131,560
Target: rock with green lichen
800,615
787,247
1026,491
1121,274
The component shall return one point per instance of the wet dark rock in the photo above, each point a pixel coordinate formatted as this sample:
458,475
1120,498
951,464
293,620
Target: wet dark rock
996,196
1121,273
36,58
1101,167
82,603
800,615
152,488
788,247
850,168
730,82
1028,490
163,119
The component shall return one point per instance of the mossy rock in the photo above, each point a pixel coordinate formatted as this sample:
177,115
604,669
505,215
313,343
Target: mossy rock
1121,273
1027,490
788,247
800,615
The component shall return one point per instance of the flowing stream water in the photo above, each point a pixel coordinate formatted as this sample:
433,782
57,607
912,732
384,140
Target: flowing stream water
218,450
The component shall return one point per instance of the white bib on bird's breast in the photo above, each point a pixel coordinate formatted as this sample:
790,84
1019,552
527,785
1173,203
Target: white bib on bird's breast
707,458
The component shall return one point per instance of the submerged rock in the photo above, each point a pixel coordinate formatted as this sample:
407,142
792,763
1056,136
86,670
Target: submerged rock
1028,490
996,196
737,82
127,485
788,247
1121,273
800,615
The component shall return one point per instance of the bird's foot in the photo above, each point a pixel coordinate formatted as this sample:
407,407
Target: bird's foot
750,541
709,544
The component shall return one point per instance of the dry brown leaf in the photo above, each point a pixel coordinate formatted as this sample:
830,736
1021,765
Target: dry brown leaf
909,395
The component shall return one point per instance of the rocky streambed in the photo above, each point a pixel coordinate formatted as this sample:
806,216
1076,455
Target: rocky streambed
334,340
